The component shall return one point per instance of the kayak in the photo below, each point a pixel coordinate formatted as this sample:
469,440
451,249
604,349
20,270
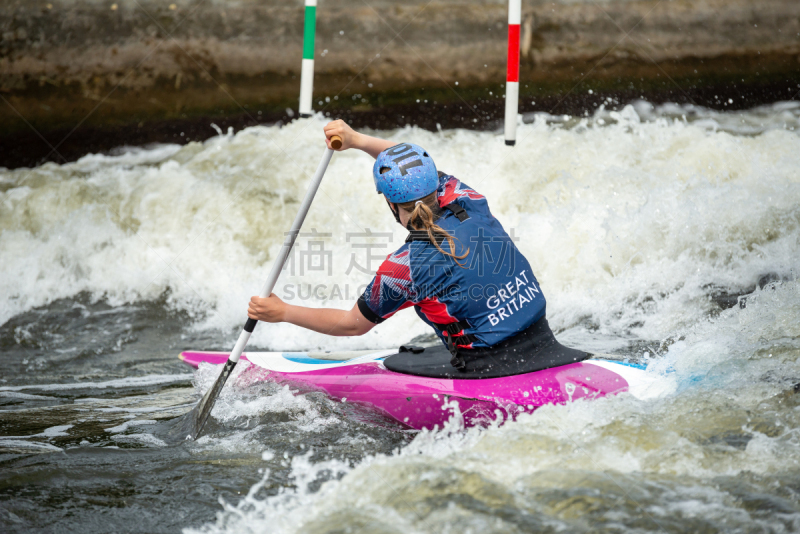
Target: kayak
421,402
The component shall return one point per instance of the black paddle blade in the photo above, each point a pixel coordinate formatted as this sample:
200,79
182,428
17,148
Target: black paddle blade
191,424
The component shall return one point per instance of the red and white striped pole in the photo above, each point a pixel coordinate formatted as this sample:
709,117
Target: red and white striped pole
512,76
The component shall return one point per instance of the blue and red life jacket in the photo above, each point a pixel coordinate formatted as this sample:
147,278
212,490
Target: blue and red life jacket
491,298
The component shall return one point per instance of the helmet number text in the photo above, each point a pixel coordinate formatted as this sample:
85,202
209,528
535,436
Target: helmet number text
400,152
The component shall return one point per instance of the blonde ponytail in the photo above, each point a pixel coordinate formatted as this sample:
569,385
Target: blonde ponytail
422,218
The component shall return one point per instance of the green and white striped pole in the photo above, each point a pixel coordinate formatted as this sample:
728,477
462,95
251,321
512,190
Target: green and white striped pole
307,71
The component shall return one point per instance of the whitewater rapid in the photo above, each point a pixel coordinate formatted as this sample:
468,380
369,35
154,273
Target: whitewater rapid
635,221
617,216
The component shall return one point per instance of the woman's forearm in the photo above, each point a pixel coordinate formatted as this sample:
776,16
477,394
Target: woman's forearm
327,321
353,139
372,145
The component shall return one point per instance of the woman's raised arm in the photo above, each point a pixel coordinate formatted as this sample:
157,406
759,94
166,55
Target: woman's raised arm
353,139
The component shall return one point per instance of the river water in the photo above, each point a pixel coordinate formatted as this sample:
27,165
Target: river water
669,234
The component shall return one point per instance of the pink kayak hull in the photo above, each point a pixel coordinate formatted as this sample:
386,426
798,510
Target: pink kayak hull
426,403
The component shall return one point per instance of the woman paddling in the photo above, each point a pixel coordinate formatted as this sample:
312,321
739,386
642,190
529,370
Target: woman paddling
458,268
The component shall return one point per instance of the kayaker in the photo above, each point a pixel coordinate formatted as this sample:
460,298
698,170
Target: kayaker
459,269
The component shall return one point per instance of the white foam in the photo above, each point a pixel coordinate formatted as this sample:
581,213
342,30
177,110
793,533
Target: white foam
244,397
129,382
128,424
52,432
646,209
25,396
21,444
127,157
56,431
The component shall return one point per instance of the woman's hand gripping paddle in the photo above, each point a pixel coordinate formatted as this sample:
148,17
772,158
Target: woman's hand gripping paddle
194,421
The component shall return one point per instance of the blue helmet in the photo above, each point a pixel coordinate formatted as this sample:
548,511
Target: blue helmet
408,173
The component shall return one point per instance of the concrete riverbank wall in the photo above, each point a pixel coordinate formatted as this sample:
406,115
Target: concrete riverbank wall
102,63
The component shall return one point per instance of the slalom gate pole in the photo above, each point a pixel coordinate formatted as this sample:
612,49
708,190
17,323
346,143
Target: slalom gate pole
512,72
307,69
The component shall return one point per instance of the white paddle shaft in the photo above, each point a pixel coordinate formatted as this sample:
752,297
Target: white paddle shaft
288,243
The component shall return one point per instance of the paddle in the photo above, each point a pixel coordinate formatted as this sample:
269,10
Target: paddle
196,419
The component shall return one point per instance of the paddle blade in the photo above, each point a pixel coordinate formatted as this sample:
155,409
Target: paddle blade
193,422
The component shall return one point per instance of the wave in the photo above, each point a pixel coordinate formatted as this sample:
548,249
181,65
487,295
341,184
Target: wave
628,219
